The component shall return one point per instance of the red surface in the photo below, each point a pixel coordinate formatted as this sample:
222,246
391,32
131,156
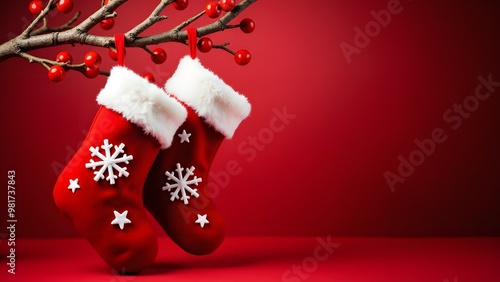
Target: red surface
321,172
269,259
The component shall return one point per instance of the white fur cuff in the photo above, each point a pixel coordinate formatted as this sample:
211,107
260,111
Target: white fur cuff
142,103
208,95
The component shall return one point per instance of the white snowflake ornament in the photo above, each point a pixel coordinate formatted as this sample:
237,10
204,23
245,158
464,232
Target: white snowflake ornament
109,162
182,184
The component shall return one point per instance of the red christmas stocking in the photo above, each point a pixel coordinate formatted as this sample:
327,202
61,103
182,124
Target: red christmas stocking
175,191
101,187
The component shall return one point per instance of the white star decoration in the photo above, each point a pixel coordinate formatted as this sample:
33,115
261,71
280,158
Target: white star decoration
202,220
184,136
73,185
121,219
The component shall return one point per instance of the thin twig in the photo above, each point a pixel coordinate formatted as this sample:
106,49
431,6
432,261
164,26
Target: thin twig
98,16
112,15
46,29
47,62
189,21
149,21
27,32
105,73
178,35
31,39
148,50
222,23
223,47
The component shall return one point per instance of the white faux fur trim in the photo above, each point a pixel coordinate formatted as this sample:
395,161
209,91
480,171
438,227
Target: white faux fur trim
142,103
208,95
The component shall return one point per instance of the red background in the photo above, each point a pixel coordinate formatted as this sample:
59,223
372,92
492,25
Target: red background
324,172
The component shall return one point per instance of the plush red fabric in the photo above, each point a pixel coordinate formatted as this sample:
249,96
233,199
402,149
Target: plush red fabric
175,217
91,207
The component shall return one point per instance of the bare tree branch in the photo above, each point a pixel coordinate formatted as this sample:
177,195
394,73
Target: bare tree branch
181,36
31,38
98,16
43,14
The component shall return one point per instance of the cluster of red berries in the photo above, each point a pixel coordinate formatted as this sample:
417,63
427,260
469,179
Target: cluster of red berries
242,57
66,6
63,6
92,61
213,9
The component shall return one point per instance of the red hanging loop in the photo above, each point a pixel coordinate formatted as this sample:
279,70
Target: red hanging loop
120,48
192,40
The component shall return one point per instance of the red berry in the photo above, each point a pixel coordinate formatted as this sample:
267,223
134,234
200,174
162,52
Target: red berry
56,73
247,25
149,76
91,72
204,44
242,57
113,55
65,6
180,4
227,5
92,60
212,9
159,56
107,24
64,57
36,6
106,2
